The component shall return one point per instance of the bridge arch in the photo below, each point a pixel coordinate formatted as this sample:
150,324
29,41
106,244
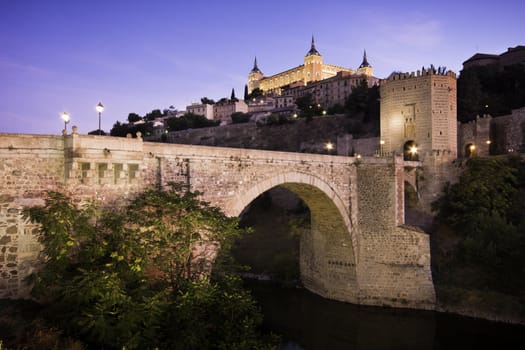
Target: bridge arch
328,250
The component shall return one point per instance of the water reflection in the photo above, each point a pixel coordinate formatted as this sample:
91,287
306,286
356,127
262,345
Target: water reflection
307,321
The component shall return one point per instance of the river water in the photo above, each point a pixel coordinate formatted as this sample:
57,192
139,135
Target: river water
307,321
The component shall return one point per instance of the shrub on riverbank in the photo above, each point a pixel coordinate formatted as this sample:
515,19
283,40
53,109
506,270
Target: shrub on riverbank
478,244
137,277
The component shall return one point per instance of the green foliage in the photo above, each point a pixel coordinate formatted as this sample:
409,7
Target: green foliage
190,121
485,212
255,93
207,101
121,130
115,277
198,320
240,117
232,96
246,92
365,100
276,119
154,114
357,101
490,89
307,106
134,117
336,109
488,187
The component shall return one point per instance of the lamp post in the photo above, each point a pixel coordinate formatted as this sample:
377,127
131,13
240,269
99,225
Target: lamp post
382,145
66,118
99,109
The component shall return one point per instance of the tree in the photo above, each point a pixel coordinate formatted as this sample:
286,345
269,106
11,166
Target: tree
240,117
485,211
307,106
357,101
207,101
134,117
490,90
246,92
154,114
121,130
139,276
255,93
232,97
189,121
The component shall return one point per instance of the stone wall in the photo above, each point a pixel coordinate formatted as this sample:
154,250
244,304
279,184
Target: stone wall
493,136
299,136
355,251
394,264
29,166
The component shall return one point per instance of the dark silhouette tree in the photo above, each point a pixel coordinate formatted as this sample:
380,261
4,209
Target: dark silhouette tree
246,95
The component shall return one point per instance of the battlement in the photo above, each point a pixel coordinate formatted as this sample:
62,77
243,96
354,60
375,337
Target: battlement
421,73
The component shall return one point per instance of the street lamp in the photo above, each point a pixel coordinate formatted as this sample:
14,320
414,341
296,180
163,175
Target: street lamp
99,109
382,143
66,118
329,146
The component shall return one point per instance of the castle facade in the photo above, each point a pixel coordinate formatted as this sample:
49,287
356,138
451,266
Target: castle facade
313,69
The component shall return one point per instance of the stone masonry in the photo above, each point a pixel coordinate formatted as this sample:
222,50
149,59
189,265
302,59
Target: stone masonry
357,249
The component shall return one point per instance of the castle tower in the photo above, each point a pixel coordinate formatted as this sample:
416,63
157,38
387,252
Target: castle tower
313,64
419,109
365,68
254,77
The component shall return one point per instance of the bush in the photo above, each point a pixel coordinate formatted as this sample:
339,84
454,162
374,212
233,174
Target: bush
485,211
240,117
114,277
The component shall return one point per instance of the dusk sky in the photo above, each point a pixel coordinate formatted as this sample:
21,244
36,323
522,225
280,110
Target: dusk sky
136,56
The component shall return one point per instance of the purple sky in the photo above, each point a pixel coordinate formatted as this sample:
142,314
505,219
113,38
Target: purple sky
135,56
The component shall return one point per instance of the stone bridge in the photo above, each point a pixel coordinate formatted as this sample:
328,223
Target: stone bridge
358,249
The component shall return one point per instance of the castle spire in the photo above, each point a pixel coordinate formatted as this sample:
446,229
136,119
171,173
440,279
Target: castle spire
313,50
365,62
255,69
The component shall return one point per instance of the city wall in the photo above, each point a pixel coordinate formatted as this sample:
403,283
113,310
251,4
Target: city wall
493,136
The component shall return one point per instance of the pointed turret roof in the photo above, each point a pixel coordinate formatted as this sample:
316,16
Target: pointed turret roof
365,62
255,69
313,50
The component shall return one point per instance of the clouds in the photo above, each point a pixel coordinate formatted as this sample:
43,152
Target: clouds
414,33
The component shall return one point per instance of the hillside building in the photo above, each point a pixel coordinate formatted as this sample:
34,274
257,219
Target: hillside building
223,110
513,55
313,69
203,109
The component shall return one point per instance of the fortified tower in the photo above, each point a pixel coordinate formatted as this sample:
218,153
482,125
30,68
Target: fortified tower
313,64
418,113
254,77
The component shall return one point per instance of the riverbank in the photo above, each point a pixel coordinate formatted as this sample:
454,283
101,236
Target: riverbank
307,321
487,305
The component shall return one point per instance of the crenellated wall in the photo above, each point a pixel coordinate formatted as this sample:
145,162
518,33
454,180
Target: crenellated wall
357,249
493,135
